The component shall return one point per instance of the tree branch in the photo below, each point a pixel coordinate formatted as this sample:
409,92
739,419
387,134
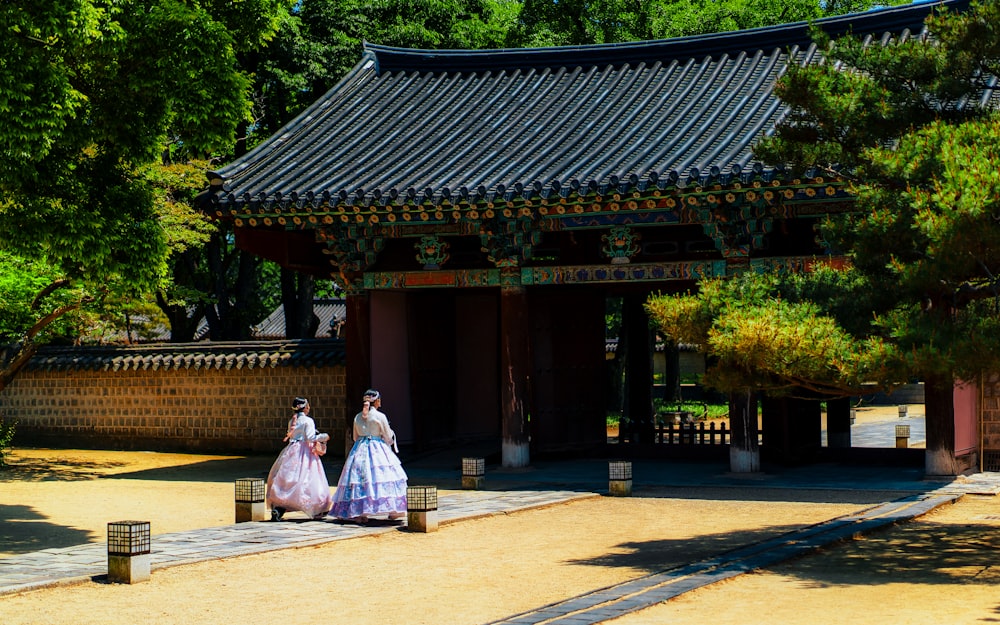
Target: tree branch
49,290
42,323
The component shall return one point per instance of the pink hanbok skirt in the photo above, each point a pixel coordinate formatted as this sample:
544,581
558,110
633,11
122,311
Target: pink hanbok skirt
372,482
297,481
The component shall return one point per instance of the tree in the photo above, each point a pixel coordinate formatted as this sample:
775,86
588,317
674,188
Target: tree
777,335
92,91
579,22
907,124
321,40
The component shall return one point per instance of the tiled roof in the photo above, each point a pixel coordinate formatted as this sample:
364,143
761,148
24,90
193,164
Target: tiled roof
330,312
418,126
263,354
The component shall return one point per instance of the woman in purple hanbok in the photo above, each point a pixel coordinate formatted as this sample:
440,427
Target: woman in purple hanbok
297,480
373,481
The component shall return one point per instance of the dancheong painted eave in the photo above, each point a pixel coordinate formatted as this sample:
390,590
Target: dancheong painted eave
419,127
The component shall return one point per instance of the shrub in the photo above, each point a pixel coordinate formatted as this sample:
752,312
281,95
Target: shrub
6,436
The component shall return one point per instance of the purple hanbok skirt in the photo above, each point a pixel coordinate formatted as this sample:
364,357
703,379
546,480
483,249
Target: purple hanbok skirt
372,482
297,481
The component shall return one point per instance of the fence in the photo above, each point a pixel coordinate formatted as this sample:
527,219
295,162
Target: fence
716,434
693,433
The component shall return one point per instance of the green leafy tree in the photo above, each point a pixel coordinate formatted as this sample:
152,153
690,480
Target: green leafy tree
91,91
579,22
765,334
321,40
907,123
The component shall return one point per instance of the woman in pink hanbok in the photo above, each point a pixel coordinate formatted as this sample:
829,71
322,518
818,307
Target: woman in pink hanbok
297,480
373,481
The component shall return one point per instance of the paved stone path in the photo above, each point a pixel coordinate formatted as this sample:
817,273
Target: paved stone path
51,567
637,594
883,433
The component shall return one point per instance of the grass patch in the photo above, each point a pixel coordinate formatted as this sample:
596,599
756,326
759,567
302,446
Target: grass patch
698,410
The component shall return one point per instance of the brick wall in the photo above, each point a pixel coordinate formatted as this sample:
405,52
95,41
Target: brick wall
990,414
204,409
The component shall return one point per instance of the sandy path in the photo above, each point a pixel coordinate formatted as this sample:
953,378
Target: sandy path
477,571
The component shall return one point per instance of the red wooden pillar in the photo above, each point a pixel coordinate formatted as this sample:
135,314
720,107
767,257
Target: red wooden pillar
358,347
515,372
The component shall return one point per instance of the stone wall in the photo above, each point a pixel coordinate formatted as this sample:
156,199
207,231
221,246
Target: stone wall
177,398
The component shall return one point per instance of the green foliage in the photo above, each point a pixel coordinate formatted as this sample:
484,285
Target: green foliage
926,178
91,93
578,22
762,334
921,294
321,40
21,281
7,430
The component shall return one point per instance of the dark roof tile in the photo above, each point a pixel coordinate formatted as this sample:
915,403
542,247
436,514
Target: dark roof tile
429,125
311,352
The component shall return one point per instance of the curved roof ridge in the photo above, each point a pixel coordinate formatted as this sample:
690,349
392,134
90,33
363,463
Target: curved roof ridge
887,19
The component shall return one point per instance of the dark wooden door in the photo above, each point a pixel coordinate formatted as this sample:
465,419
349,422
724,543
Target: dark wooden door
567,342
431,319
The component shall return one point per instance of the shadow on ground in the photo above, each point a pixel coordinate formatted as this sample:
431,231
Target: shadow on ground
919,552
47,469
224,470
23,530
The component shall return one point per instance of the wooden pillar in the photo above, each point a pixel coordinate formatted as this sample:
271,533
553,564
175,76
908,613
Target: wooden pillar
671,371
358,347
838,423
939,418
638,407
744,448
515,372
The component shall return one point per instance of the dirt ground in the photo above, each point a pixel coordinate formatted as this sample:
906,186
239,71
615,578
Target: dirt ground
941,568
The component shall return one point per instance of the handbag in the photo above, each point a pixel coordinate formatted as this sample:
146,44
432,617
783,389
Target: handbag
319,448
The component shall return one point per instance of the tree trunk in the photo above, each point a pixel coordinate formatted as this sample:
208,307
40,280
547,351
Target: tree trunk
185,319
229,319
13,358
744,450
297,291
939,409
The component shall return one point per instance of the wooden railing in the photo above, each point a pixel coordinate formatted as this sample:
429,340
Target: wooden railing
692,433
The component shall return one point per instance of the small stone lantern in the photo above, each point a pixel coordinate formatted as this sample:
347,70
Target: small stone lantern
421,508
902,436
473,473
250,504
128,552
620,478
